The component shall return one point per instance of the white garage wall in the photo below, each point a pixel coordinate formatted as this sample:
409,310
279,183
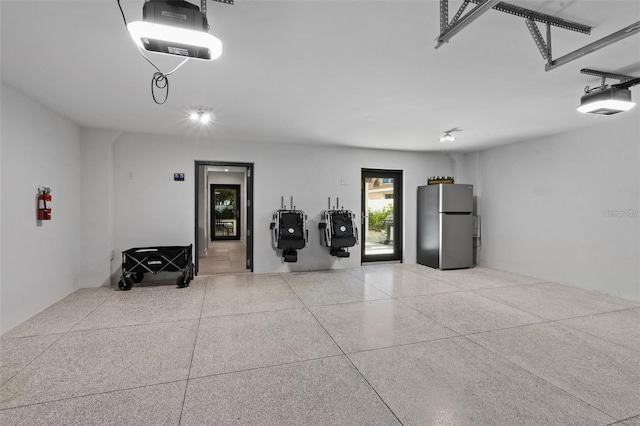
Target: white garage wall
97,206
40,262
543,205
150,209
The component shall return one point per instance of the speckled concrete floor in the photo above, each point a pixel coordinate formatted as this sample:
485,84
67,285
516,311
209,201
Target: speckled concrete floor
396,344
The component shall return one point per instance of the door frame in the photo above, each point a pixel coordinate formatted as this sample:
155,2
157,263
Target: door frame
249,170
237,188
397,214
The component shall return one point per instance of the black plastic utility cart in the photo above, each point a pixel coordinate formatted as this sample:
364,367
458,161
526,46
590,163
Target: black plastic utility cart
139,261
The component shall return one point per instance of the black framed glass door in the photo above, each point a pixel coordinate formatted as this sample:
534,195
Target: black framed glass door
381,215
225,212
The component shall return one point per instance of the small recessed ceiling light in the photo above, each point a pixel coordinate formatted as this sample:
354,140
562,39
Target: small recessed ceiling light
226,170
205,118
194,116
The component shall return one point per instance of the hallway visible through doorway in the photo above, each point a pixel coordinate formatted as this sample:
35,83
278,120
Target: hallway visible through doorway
224,257
223,217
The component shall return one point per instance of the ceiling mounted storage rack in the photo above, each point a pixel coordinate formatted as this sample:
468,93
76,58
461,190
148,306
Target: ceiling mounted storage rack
449,28
592,47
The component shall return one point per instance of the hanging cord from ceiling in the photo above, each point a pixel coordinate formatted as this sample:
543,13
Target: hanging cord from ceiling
160,80
588,89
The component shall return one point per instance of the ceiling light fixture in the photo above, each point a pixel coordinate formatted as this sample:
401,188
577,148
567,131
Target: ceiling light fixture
205,118
447,136
200,116
607,100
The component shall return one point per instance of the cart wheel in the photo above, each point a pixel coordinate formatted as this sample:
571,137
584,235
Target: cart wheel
181,281
125,283
192,270
138,276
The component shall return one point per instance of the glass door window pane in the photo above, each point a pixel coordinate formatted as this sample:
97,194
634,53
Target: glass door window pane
382,210
225,212
379,215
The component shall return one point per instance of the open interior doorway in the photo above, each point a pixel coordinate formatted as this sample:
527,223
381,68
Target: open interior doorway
224,217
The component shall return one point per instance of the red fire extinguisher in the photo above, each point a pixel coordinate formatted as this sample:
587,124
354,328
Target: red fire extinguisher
45,202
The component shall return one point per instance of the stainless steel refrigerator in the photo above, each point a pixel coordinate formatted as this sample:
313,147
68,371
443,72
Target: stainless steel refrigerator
445,226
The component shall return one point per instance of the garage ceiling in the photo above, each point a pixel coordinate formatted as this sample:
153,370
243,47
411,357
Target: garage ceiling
347,73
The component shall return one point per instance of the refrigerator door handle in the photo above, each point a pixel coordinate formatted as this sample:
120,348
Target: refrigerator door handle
479,227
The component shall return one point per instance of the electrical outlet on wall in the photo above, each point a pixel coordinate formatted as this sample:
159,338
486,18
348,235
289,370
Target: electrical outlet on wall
344,182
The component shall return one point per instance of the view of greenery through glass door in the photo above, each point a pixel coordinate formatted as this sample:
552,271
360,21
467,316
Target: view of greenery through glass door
379,219
382,215
225,212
